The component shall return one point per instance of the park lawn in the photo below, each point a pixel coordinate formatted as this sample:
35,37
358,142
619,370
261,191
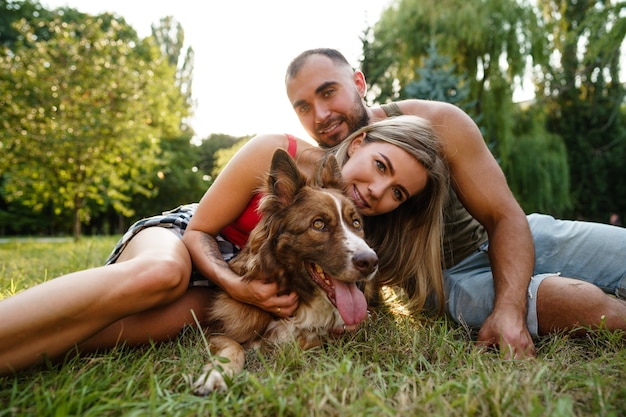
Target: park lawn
394,365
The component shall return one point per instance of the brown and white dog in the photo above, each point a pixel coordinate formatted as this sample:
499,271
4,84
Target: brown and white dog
310,240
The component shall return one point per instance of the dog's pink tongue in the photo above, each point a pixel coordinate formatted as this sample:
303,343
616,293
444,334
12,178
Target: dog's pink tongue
350,302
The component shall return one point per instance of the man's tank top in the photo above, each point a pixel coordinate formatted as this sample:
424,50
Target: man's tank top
462,233
238,232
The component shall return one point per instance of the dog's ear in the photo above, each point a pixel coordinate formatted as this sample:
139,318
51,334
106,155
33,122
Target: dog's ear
285,180
329,174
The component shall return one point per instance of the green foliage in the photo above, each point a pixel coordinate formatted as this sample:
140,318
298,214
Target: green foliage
102,133
170,37
487,41
207,150
584,100
17,219
12,11
437,80
224,155
85,109
393,365
537,169
177,181
479,49
479,37
72,129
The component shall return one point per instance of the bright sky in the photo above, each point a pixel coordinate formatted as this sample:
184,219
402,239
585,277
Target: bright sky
242,49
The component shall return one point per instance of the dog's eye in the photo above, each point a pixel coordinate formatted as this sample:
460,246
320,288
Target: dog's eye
356,223
318,224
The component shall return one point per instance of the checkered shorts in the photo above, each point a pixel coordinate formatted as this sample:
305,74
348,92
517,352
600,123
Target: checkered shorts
176,221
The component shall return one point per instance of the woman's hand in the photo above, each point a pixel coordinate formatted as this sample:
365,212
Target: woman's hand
265,295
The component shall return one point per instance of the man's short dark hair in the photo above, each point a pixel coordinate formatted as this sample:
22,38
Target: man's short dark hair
297,63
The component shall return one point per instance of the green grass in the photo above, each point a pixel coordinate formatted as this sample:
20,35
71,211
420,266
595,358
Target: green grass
394,365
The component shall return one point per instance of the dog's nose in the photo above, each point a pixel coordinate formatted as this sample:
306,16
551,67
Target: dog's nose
365,261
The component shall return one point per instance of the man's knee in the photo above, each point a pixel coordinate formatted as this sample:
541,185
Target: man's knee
614,313
569,304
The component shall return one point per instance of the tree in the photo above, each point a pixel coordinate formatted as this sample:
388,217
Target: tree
489,41
471,54
84,112
483,38
537,170
437,80
176,175
207,150
12,11
223,155
178,180
584,97
170,37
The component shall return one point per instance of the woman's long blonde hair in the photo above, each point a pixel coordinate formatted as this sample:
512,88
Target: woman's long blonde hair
408,240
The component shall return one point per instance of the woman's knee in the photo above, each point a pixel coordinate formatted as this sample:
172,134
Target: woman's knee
166,273
157,261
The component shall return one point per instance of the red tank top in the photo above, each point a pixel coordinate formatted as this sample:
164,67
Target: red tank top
238,232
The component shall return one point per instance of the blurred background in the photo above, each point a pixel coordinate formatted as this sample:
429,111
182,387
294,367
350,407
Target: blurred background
113,111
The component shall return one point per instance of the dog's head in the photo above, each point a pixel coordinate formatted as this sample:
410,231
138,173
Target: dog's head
312,235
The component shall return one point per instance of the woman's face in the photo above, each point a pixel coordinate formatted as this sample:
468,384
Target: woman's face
381,176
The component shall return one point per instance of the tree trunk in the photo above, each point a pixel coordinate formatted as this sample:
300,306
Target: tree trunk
77,226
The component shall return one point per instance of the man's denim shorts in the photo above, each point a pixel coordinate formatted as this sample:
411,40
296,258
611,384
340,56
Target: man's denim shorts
591,252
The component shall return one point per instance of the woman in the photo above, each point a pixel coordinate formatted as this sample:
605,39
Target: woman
146,290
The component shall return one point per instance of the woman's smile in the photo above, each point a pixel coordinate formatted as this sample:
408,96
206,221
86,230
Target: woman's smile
358,199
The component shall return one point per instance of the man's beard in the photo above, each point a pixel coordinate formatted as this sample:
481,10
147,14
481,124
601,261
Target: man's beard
358,117
355,119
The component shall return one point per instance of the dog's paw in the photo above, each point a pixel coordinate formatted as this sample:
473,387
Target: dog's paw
210,380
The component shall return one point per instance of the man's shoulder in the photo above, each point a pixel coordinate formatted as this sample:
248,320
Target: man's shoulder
438,113
425,108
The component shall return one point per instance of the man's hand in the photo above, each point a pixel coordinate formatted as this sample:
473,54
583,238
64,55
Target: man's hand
507,331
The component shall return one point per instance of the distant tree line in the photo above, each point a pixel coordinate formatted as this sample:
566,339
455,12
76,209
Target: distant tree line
93,131
93,119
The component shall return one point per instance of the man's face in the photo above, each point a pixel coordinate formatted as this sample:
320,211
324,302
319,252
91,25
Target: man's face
327,100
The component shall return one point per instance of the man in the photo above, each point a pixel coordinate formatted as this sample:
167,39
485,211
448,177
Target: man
490,244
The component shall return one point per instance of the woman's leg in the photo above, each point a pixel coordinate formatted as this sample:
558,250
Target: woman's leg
51,318
158,324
